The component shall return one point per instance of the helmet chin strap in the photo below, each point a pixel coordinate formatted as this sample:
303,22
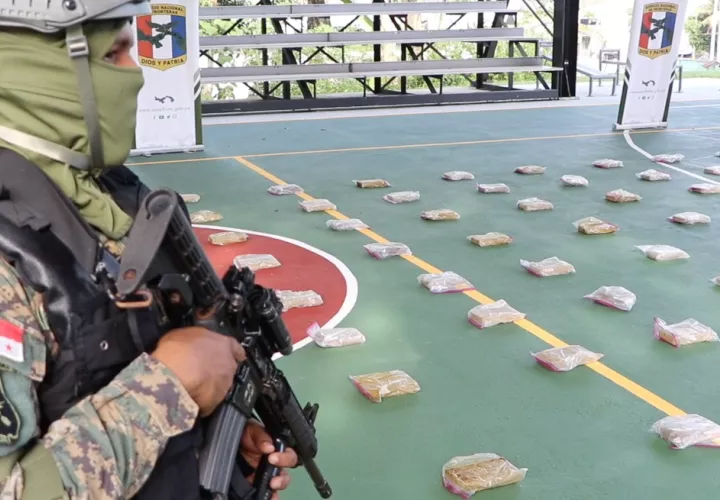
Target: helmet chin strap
78,51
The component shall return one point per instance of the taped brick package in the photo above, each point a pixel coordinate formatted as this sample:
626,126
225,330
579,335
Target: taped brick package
458,175
227,238
440,214
372,183
292,299
490,239
346,224
447,282
705,188
615,297
684,431
574,180
564,359
690,218
317,205
382,251
256,262
665,158
377,386
689,331
466,475
530,170
548,267
593,225
712,170
485,316
662,252
335,337
402,197
622,196
534,205
608,163
203,216
284,189
493,188
653,175
190,198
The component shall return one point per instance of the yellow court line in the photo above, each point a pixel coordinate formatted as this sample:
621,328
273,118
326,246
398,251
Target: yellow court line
607,372
426,145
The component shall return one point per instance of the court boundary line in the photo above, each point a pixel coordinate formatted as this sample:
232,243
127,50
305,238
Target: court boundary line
351,283
640,150
598,367
420,145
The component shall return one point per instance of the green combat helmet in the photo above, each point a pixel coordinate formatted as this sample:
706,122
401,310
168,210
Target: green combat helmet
53,16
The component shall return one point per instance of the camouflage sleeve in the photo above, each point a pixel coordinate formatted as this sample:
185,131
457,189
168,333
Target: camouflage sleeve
106,445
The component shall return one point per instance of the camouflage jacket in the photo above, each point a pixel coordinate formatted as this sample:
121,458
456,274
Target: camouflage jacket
106,446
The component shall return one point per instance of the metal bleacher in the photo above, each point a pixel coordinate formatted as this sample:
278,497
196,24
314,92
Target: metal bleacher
419,56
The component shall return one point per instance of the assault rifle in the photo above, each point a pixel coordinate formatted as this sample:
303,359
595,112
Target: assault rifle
235,306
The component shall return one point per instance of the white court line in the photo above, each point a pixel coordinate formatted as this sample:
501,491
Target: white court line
631,143
350,280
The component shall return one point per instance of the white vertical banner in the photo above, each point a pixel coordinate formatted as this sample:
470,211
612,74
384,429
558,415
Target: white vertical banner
655,37
167,48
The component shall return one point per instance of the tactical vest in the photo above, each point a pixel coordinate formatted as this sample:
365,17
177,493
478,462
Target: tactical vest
56,252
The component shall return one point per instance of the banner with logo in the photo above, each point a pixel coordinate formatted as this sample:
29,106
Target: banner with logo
167,49
655,37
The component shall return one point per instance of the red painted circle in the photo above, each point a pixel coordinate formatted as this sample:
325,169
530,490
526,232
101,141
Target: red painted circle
300,269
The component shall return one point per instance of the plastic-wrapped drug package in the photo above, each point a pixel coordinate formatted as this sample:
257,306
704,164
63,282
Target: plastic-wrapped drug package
653,175
715,281
485,316
705,188
372,183
493,188
622,196
684,431
548,267
227,238
690,218
712,170
534,205
292,299
440,214
564,359
284,189
377,386
317,205
675,158
190,198
615,297
608,163
458,175
491,239
402,197
447,282
593,225
466,475
574,180
530,170
346,224
256,262
202,216
662,252
335,337
689,331
382,251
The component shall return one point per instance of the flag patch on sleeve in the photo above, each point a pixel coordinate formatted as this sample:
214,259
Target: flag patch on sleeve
11,341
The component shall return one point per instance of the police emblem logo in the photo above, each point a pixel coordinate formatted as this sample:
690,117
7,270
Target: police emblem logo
162,37
657,29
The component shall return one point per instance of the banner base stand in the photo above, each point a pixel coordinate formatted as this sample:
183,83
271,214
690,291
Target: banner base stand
640,126
160,151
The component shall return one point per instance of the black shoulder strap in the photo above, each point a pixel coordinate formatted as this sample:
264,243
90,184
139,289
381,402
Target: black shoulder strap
28,197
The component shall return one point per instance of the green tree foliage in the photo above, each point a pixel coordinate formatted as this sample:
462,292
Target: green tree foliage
698,28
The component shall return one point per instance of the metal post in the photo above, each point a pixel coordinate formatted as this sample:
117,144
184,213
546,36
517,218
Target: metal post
565,43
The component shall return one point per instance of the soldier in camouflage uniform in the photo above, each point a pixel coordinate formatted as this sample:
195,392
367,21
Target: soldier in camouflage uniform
106,444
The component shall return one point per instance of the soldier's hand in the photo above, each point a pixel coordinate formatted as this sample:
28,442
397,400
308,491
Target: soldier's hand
255,443
205,362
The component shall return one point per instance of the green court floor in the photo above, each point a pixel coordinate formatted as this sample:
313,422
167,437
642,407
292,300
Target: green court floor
581,434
